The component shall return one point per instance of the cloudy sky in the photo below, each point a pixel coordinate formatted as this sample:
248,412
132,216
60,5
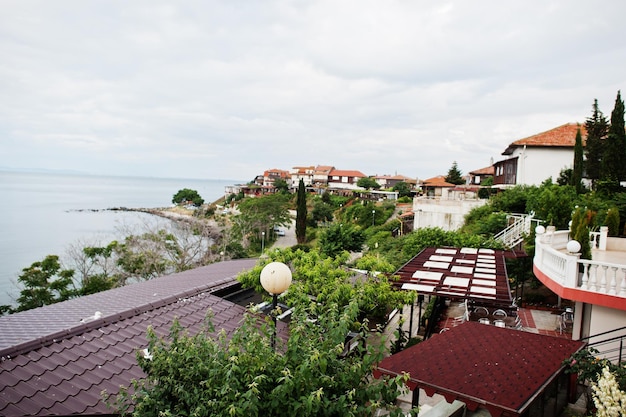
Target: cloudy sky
227,89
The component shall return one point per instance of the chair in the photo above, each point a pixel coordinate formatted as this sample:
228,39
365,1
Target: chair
566,320
499,323
481,311
500,313
484,320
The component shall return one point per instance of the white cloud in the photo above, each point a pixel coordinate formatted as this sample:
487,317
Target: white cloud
228,89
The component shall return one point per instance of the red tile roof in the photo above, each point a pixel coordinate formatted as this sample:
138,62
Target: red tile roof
495,368
490,170
52,364
438,181
346,173
562,136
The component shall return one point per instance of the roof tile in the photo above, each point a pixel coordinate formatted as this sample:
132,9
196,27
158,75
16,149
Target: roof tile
65,368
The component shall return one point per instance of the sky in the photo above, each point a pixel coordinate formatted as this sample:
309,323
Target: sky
228,89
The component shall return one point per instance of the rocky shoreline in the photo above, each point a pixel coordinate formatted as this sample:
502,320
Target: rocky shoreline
177,214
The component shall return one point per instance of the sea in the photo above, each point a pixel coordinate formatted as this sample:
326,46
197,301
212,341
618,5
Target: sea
45,213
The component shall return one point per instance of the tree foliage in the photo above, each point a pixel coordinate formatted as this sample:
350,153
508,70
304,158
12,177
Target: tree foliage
612,221
597,128
553,203
613,166
44,283
260,214
281,185
341,237
301,213
187,195
581,219
212,374
367,183
403,189
577,170
454,175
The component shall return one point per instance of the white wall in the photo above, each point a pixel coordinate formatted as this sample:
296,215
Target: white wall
603,319
535,164
446,214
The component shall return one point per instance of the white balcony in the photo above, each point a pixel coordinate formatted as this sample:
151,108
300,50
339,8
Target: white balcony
600,281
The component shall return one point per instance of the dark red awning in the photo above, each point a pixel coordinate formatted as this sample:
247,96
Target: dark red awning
495,368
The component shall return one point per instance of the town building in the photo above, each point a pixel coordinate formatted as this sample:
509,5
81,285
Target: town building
532,160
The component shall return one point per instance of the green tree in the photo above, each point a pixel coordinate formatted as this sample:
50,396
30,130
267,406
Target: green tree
597,128
614,156
367,183
612,221
258,215
577,171
454,175
187,195
553,203
281,185
322,212
45,282
580,230
403,189
301,213
341,237
213,374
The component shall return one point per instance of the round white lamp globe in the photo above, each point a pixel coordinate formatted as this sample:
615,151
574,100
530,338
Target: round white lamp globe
275,277
573,246
540,230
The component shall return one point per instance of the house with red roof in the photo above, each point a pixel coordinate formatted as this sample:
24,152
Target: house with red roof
339,178
444,204
532,160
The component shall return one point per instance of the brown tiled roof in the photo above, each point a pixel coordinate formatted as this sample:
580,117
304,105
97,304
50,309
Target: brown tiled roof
562,136
346,173
52,364
438,181
490,170
498,369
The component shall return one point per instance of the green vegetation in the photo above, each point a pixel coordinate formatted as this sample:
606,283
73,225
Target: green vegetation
403,189
301,213
209,374
367,183
186,196
455,176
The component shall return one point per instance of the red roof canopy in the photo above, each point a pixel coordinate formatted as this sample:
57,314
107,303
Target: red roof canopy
458,273
495,368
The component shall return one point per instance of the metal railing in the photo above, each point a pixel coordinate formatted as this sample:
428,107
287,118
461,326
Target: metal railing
514,233
611,347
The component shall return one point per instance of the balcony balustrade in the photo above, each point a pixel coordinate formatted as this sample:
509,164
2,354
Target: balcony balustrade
601,280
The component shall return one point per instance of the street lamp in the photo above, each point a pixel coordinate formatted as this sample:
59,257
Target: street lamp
373,213
262,242
275,279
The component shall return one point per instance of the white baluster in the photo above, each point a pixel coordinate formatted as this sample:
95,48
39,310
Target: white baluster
613,281
585,278
603,279
622,291
593,282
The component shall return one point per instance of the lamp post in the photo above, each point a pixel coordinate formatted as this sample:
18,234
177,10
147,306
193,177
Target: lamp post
373,213
262,242
275,279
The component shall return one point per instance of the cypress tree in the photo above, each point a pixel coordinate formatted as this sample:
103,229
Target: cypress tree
614,156
577,172
597,128
301,213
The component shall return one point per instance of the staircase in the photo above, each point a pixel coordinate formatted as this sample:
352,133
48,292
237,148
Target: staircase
519,226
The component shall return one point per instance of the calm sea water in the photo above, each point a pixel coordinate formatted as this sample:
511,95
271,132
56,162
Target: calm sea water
43,214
